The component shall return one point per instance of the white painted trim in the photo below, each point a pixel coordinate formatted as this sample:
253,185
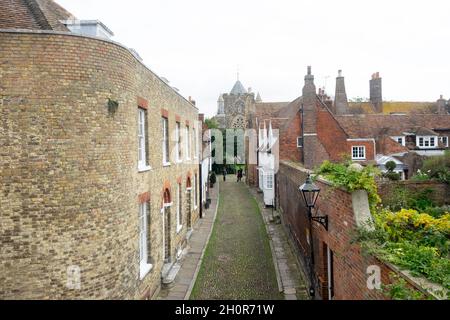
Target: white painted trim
166,205
362,139
143,169
166,164
427,138
359,158
144,269
309,134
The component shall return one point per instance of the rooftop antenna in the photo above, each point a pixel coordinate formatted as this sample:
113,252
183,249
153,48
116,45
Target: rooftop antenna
325,82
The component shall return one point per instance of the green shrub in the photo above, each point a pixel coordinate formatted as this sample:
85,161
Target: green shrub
394,176
345,175
390,165
438,167
402,198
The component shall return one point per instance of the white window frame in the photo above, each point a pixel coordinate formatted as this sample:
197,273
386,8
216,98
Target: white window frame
266,180
144,266
422,141
195,191
165,129
401,138
178,156
179,204
359,156
188,143
142,141
299,145
195,133
442,138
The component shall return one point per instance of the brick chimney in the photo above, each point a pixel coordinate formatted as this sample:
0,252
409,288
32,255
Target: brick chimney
201,117
376,97
191,100
310,112
340,98
441,105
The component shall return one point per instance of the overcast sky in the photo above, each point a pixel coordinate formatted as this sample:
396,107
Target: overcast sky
199,44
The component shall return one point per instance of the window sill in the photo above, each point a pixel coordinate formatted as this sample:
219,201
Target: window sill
143,169
359,159
179,228
144,269
166,164
179,161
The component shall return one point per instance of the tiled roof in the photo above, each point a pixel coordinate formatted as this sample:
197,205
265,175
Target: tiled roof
33,14
393,106
372,125
385,145
268,110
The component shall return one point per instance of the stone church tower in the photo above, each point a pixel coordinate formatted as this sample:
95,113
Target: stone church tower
234,109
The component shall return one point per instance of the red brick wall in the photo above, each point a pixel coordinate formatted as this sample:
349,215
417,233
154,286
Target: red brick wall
288,140
349,264
332,136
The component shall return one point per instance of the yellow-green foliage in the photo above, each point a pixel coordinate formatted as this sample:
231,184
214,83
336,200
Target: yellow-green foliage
412,240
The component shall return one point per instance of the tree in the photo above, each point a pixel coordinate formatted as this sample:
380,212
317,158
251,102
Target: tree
211,123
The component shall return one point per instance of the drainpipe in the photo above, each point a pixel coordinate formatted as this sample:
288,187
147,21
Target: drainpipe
303,139
200,180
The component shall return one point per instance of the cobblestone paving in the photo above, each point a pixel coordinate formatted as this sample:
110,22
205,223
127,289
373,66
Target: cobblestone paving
238,261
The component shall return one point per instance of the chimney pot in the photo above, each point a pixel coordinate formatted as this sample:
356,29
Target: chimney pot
340,73
378,75
442,97
309,70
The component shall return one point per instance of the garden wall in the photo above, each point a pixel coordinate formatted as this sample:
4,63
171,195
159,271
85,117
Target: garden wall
440,192
348,269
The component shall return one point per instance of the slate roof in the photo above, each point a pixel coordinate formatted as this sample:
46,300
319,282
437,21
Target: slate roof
33,15
238,88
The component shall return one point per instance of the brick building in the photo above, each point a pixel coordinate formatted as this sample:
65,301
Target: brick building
313,128
99,168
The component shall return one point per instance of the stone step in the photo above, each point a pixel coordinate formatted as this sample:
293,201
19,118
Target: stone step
169,278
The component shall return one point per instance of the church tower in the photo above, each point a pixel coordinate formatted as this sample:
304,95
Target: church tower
234,108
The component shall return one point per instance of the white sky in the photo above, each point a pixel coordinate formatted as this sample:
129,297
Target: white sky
198,44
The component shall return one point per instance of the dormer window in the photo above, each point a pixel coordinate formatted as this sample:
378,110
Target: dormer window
93,28
426,141
444,141
399,139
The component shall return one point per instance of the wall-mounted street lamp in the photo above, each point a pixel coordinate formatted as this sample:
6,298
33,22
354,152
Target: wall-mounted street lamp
310,194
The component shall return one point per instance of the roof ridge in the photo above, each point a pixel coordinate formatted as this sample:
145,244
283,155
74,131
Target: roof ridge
38,14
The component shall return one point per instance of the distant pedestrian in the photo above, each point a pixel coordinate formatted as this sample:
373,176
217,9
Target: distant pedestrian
239,175
224,173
